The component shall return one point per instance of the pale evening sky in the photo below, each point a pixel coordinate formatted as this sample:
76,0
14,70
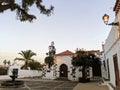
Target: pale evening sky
74,24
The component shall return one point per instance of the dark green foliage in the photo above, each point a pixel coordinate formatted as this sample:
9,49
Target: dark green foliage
94,60
95,64
26,57
22,8
49,60
81,59
3,70
35,65
85,60
6,62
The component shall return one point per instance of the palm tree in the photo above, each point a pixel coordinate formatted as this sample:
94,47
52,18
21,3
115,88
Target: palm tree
26,57
5,62
9,62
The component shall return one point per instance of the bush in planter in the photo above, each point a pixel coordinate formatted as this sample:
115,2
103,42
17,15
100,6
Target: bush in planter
3,70
84,80
81,59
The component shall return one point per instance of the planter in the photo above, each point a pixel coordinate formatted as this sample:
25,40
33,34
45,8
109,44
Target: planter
84,80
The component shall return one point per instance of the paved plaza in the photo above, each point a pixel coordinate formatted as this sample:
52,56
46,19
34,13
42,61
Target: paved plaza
90,86
38,84
44,85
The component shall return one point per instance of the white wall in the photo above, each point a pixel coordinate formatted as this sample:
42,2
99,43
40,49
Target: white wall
29,73
23,73
115,49
66,59
112,47
104,66
49,75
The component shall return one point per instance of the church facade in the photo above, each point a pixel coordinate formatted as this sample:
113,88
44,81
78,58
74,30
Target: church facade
63,68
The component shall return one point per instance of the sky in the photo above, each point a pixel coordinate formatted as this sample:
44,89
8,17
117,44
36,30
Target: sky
73,24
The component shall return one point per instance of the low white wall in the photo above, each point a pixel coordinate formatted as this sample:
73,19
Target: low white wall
29,73
49,75
23,73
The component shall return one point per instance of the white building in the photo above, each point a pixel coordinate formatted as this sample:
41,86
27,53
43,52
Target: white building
63,67
111,55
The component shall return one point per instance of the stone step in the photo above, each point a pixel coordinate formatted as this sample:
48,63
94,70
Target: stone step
117,88
62,78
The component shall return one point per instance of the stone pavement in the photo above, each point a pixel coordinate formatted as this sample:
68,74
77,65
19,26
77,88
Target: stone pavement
90,86
118,88
38,84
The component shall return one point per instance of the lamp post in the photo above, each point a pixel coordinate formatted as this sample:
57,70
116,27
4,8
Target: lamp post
106,19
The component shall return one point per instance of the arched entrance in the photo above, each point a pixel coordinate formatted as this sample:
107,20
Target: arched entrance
63,70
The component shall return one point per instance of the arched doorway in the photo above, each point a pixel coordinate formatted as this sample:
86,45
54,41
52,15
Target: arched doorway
63,70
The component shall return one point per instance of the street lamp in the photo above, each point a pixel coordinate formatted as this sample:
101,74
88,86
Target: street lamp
106,19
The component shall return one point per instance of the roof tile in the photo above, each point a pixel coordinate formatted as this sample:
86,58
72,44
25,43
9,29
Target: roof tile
67,52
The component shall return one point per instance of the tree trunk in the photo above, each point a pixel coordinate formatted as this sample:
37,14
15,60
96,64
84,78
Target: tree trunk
83,79
49,65
26,65
83,72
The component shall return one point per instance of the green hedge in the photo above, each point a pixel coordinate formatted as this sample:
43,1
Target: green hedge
3,70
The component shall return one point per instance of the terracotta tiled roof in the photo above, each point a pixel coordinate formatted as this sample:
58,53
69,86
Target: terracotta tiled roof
67,52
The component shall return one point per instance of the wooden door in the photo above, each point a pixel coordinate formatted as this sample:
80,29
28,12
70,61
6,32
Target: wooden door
63,70
115,60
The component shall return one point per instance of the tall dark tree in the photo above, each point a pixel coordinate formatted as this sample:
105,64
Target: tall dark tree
49,60
22,8
5,62
50,55
81,59
86,60
9,62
